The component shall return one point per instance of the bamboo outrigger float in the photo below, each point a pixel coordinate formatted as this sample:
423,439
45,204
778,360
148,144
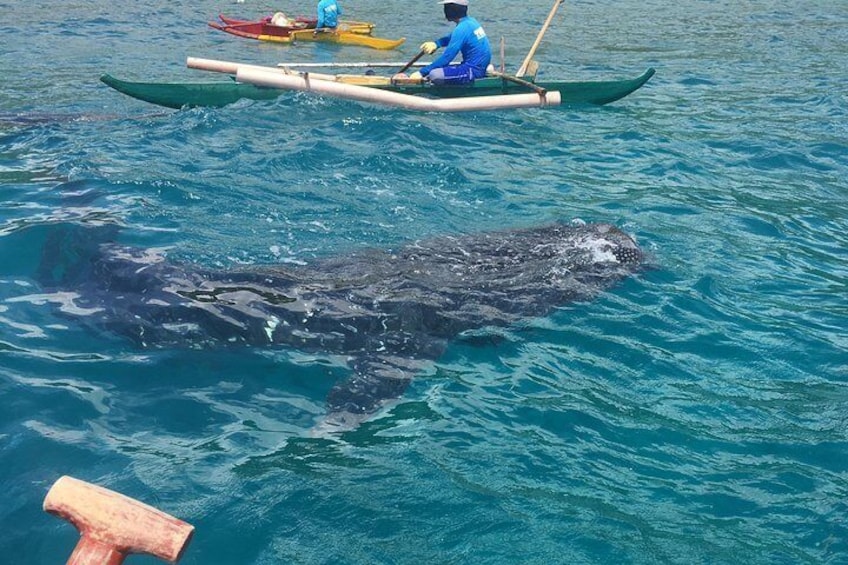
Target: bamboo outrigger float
273,78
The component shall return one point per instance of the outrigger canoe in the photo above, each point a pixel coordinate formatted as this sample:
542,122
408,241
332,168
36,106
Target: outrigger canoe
347,33
221,93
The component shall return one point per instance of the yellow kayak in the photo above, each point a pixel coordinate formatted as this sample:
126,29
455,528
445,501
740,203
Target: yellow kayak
346,38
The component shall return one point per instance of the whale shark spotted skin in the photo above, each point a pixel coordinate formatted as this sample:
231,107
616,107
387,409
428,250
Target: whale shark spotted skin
387,311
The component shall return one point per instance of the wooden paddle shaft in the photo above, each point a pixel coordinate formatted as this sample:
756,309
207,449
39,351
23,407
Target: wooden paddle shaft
412,62
523,68
113,526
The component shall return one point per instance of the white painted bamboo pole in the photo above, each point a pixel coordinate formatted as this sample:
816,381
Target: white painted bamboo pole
271,78
214,65
349,65
230,68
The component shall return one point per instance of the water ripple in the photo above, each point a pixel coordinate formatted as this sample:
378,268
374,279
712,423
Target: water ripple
695,413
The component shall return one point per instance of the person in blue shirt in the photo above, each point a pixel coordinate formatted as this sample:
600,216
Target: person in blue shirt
467,38
328,14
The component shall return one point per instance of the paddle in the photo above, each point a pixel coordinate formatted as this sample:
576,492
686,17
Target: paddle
523,68
412,62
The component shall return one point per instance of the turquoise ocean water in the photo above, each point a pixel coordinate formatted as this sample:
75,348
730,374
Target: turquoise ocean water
694,413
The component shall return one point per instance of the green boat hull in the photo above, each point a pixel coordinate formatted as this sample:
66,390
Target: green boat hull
222,93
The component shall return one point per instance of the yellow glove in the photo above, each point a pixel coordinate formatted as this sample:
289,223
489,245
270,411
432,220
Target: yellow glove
429,47
416,76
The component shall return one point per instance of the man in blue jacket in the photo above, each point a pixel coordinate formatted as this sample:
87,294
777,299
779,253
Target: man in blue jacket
328,13
467,38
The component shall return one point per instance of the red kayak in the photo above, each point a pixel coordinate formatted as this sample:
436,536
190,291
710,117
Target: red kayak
264,30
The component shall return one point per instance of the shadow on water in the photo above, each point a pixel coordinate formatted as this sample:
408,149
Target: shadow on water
19,120
327,455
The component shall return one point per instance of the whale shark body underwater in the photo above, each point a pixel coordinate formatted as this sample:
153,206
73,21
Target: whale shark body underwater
389,312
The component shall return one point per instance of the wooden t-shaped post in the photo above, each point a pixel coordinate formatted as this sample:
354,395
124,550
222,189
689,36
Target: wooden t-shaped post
112,525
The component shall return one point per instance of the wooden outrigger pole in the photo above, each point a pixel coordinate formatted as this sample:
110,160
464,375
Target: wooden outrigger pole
522,70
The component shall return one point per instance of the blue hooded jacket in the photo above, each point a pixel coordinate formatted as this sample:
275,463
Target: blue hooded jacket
328,12
469,39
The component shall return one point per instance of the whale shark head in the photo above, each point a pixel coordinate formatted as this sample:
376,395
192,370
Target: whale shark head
547,265
605,243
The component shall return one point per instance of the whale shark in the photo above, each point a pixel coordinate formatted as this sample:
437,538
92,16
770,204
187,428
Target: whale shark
387,311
